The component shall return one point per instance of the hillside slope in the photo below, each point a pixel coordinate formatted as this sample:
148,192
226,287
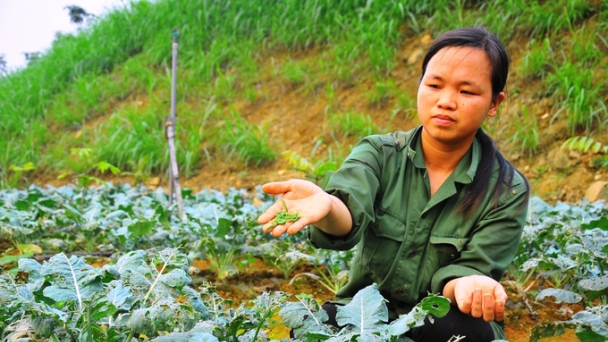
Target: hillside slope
285,91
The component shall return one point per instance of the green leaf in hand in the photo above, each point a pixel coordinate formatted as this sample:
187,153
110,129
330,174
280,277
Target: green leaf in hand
283,217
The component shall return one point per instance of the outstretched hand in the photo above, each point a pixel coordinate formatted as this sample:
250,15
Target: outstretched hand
305,198
479,296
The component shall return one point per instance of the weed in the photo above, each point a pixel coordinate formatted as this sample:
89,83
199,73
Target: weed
15,175
285,257
585,144
83,178
295,73
247,142
527,133
581,101
382,93
317,169
332,267
351,124
536,61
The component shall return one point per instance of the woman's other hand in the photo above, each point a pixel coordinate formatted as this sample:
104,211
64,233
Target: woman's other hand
477,295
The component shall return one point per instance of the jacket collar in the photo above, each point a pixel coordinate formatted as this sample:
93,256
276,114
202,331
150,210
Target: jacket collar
467,167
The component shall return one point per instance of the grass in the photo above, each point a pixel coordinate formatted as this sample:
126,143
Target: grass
579,98
240,139
351,124
527,133
536,62
223,50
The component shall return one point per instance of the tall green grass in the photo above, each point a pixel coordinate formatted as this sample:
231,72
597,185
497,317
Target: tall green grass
126,54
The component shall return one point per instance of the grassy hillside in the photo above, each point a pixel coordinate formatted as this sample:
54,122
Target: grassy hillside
289,83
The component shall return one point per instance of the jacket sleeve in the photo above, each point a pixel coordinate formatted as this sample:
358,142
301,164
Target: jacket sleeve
356,183
495,240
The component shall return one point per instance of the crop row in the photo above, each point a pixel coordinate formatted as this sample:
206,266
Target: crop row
227,52
564,251
147,292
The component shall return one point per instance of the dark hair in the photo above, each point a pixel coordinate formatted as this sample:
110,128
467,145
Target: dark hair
480,38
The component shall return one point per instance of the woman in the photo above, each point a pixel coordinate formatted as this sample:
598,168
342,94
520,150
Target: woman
436,208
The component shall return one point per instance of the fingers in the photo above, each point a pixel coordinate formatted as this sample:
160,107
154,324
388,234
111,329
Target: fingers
480,305
500,298
500,294
270,213
289,228
499,310
267,215
276,188
488,307
476,306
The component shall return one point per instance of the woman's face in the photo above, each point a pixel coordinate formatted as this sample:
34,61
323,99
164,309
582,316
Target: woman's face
455,95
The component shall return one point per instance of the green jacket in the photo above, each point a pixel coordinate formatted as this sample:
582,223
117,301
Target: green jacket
409,243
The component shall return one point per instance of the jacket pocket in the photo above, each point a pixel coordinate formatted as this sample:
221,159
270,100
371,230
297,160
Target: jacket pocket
381,244
444,250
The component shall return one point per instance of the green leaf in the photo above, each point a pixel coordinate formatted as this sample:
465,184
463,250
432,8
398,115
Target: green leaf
594,284
164,314
130,262
120,296
548,329
34,270
194,298
602,223
560,296
414,318
592,320
9,259
23,205
102,309
187,337
176,278
586,334
141,228
71,279
223,226
366,312
305,317
44,326
435,305
104,166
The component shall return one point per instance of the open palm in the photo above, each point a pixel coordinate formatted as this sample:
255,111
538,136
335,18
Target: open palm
303,197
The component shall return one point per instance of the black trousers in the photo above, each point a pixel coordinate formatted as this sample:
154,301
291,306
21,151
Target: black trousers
455,323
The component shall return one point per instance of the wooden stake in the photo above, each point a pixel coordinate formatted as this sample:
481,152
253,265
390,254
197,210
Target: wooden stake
174,187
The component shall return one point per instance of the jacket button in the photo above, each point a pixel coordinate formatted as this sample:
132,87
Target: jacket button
453,256
399,292
412,254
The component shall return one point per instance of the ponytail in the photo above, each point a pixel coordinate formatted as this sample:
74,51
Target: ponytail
483,176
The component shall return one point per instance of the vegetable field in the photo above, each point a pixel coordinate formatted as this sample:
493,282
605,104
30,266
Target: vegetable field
147,293
114,263
269,90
